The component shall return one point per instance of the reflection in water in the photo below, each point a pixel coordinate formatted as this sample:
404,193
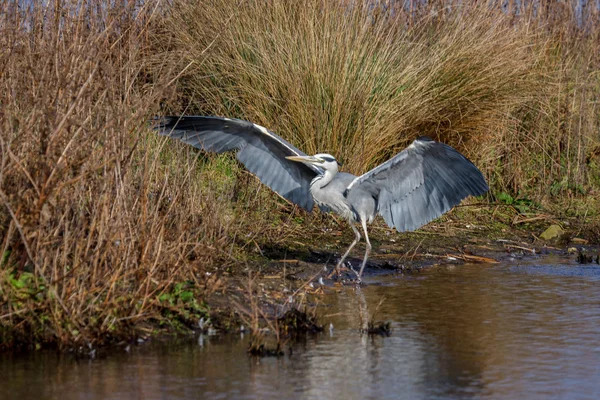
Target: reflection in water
500,332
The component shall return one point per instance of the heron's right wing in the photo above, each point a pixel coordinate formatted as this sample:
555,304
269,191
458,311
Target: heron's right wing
261,151
421,183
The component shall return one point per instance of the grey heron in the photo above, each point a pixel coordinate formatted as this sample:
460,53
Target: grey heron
417,185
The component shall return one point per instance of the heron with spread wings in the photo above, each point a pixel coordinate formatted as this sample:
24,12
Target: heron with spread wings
417,185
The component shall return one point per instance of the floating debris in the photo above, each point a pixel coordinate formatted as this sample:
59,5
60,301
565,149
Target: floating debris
380,328
473,258
577,240
262,351
583,257
296,321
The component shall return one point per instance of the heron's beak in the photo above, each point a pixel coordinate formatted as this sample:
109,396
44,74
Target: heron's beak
305,159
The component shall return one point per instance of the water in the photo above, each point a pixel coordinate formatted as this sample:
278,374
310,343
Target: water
475,331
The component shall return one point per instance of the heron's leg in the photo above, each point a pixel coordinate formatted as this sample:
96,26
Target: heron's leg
356,239
367,251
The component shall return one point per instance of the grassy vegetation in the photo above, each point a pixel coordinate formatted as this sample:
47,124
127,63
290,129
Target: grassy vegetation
98,235
108,231
357,81
517,93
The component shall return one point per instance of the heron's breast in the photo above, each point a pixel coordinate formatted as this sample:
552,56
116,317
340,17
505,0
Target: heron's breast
362,203
335,201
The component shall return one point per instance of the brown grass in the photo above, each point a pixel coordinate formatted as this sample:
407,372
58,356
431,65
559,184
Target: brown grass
350,80
514,90
99,222
548,149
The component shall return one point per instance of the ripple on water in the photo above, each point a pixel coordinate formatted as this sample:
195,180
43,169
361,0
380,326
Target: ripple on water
589,271
504,331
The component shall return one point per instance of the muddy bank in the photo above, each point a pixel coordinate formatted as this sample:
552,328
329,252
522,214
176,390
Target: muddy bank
301,272
256,295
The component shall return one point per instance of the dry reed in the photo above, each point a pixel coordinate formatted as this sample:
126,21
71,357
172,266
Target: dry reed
102,229
512,86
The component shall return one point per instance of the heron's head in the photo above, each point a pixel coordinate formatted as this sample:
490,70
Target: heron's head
323,160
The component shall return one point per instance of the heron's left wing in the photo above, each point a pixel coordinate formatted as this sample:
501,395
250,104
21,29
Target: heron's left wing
420,184
261,151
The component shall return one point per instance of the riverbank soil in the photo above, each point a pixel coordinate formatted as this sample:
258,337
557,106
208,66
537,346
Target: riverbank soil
483,234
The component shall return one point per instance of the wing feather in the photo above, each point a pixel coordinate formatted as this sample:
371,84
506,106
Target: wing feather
421,183
261,151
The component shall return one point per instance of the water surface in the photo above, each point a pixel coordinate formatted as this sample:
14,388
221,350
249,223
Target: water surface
505,331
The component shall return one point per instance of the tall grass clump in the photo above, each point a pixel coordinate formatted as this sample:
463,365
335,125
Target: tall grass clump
102,228
351,78
549,149
514,86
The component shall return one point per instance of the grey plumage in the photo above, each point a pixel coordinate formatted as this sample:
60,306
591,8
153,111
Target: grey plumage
261,151
419,184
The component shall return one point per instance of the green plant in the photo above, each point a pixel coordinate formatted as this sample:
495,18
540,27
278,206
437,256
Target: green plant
92,223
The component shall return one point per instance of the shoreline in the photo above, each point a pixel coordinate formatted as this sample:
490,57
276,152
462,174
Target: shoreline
286,272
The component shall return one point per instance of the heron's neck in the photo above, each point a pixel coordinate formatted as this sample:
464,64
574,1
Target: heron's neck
321,181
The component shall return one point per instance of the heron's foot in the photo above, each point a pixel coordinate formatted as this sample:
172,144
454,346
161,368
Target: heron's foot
358,281
336,272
